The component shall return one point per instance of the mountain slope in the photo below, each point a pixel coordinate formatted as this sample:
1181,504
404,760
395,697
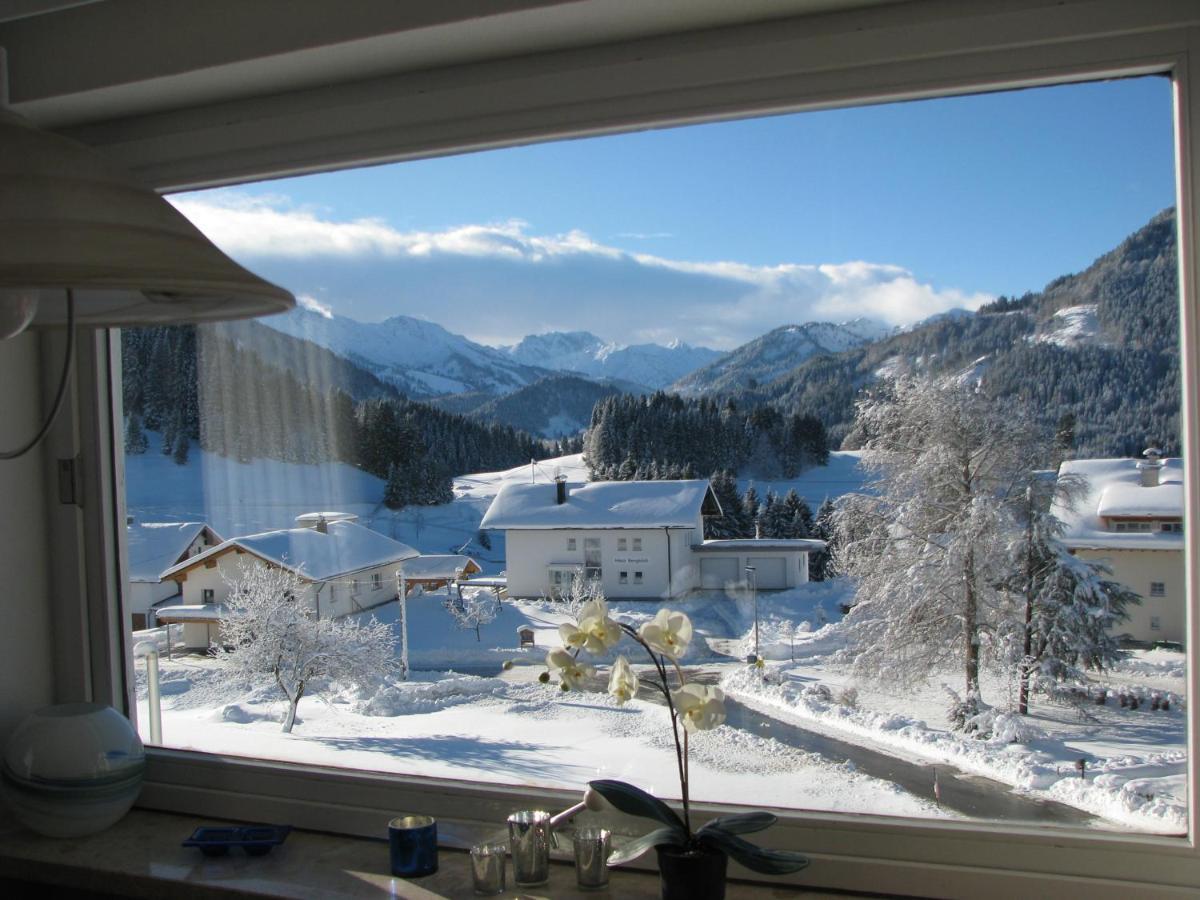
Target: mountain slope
420,358
766,358
1100,345
582,353
557,406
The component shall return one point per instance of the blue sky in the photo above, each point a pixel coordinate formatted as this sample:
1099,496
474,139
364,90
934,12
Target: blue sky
716,233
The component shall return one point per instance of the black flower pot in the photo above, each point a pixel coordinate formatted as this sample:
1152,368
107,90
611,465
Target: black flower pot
691,874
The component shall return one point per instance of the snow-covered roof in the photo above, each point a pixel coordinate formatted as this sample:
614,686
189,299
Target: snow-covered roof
1114,489
759,545
346,547
153,546
434,567
192,612
603,504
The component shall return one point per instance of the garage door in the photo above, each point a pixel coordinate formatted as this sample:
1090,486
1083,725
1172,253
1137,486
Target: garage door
716,573
770,572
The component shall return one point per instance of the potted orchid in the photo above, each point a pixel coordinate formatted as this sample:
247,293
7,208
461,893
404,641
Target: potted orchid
691,861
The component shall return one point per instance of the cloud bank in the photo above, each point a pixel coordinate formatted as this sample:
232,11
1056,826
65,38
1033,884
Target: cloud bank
498,282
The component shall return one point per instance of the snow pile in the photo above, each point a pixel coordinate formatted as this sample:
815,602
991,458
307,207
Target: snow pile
1137,789
441,691
1153,663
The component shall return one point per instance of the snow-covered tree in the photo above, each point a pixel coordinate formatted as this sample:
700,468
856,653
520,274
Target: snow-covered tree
928,546
1068,606
581,592
472,609
135,437
266,631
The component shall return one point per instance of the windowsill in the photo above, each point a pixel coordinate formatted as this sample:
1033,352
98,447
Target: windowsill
141,856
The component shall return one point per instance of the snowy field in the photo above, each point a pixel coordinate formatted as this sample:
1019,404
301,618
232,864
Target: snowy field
464,716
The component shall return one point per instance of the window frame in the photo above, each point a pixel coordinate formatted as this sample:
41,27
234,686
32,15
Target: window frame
945,56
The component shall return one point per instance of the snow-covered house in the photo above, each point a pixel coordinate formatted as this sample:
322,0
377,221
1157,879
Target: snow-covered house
345,566
639,539
432,571
153,547
1131,518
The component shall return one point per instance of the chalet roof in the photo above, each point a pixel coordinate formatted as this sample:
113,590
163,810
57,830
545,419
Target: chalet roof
154,546
345,548
1114,489
435,567
603,504
192,612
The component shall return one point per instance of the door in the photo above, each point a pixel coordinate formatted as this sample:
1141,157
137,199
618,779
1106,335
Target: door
716,572
770,572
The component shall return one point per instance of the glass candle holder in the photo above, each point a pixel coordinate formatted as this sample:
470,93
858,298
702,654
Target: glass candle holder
412,841
592,846
487,868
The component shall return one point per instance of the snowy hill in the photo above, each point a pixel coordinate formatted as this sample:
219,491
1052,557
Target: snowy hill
580,352
557,406
776,352
420,358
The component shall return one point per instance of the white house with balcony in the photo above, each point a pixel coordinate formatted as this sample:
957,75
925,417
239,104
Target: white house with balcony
638,539
153,547
345,568
1131,518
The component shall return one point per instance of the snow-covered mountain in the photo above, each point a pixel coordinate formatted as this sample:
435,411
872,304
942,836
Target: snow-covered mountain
776,352
582,353
419,357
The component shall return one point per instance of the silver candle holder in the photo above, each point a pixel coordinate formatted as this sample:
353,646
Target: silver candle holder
529,841
487,868
592,846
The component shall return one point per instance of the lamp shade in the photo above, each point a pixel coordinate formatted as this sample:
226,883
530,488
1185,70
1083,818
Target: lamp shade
70,219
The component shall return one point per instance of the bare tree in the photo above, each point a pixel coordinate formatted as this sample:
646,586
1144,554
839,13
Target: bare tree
472,609
267,630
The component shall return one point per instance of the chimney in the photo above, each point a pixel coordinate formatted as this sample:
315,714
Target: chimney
560,489
322,525
1152,467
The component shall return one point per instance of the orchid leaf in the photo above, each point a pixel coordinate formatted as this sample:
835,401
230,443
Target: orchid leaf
636,802
640,845
767,862
742,823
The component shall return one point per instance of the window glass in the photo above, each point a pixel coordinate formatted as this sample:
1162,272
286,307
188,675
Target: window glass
856,302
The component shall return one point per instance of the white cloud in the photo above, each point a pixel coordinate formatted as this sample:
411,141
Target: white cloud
314,305
500,281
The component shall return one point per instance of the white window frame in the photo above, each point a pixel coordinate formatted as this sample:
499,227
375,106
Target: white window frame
637,545
571,544
844,58
622,544
1158,589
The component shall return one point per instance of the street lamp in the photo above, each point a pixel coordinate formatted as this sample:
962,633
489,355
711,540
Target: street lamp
750,583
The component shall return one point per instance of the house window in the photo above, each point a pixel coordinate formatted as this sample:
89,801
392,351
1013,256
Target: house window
207,595
622,544
637,577
570,543
591,559
1173,527
1158,589
623,578
376,581
637,544
1155,623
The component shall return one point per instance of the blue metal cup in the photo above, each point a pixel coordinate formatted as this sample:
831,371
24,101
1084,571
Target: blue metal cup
413,843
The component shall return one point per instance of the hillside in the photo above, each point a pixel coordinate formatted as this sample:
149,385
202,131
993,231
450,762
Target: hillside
1101,345
768,357
557,406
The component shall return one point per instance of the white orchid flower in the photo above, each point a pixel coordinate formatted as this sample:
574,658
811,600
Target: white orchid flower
622,683
669,633
596,632
701,707
570,670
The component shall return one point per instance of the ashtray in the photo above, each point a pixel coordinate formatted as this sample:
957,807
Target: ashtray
256,840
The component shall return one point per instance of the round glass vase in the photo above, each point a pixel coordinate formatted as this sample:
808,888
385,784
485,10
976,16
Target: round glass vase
697,874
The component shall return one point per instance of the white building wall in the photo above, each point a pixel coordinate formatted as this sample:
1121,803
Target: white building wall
335,598
531,555
1136,569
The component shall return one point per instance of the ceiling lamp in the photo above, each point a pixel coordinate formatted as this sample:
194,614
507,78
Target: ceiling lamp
83,243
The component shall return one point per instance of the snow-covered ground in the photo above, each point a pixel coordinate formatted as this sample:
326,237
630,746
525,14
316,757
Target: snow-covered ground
464,716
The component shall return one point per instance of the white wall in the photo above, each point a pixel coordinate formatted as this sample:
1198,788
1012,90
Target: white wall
25,639
529,555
